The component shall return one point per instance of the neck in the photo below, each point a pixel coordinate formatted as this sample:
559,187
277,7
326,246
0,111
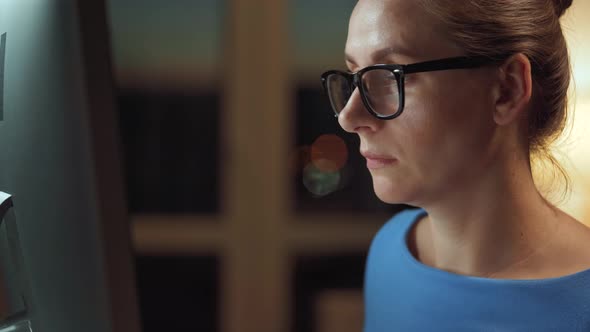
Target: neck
493,225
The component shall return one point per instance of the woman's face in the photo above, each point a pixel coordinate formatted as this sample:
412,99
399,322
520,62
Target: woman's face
443,141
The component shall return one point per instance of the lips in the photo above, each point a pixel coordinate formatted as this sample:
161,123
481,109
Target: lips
376,161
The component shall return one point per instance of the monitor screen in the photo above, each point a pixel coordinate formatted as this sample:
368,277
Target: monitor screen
60,165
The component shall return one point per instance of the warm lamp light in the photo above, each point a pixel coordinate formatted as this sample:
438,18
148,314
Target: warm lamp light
573,150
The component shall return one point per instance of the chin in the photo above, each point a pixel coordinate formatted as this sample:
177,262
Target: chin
395,192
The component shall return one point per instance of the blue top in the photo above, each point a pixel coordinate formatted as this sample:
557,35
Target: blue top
403,294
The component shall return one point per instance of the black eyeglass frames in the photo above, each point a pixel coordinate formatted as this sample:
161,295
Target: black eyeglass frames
382,86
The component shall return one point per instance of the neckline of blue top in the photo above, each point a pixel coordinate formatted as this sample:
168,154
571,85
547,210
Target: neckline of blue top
433,272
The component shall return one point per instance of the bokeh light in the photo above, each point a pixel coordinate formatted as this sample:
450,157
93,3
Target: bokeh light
329,153
321,183
321,164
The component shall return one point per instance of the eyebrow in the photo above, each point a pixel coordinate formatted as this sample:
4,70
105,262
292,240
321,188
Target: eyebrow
380,54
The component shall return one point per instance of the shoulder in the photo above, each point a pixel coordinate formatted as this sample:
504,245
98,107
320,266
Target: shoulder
573,251
568,253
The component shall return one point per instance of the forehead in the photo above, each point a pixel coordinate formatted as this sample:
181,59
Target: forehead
401,26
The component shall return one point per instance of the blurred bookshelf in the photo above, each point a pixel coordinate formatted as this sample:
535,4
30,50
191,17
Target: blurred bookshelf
221,115
178,293
328,292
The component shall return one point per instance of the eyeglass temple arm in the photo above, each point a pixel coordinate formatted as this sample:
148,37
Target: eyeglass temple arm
462,62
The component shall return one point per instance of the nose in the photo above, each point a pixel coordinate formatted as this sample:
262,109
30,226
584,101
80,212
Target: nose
355,117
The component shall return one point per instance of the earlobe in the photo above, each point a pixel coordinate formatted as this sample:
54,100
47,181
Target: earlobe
514,89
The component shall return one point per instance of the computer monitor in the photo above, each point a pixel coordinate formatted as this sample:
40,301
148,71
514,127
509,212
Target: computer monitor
66,263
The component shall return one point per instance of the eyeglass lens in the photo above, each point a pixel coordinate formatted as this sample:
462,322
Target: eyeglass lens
339,91
380,88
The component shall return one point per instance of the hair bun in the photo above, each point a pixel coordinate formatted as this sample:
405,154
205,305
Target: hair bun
561,6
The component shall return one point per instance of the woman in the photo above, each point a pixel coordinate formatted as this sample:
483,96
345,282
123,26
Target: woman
454,136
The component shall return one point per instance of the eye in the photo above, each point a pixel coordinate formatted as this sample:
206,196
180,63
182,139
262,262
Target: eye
409,79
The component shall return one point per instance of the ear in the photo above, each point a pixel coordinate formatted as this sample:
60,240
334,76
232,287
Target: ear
514,89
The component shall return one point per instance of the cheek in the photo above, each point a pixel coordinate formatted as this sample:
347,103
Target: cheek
442,138
452,107
448,127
